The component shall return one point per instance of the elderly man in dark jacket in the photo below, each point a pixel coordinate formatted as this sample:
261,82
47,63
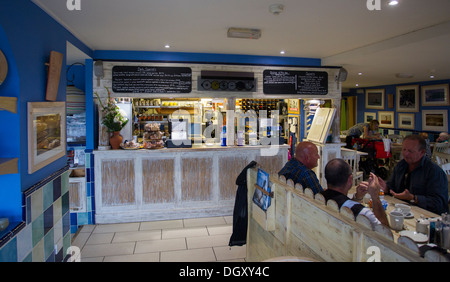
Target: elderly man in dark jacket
417,179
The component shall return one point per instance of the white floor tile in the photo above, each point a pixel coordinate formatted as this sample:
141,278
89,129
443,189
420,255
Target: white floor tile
101,250
163,224
220,229
193,222
147,257
227,253
184,232
100,238
194,255
119,227
136,236
160,245
207,241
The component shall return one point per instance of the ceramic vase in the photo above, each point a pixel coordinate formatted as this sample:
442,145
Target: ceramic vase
115,140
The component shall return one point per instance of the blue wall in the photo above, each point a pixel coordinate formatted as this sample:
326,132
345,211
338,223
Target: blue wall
391,89
31,35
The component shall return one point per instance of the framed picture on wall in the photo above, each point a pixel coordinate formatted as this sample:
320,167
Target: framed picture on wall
435,95
386,119
407,98
375,99
406,121
435,120
369,116
46,133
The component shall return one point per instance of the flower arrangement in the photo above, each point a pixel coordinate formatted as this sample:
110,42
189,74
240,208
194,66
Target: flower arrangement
113,119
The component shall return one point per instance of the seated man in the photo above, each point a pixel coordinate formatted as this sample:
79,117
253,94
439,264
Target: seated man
339,180
417,179
299,168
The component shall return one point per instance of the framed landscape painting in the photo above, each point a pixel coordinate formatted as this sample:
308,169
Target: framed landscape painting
375,99
435,120
386,119
435,95
406,121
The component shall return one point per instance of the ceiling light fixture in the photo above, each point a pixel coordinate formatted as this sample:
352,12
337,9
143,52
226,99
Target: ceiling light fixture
249,33
167,46
276,9
393,3
282,52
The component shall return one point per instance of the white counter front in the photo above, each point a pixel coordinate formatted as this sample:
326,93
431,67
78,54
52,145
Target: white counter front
147,185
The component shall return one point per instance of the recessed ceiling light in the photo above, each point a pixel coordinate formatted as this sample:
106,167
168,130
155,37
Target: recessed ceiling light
393,3
432,76
282,52
359,73
357,84
167,46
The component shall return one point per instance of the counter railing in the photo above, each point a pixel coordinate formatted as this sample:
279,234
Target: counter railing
303,225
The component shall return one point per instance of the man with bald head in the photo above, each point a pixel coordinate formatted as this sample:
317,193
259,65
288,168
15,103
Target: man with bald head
299,168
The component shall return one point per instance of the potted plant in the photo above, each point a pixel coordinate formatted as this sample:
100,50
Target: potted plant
113,119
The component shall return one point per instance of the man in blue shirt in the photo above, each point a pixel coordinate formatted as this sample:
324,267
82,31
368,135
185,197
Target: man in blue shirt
299,168
417,179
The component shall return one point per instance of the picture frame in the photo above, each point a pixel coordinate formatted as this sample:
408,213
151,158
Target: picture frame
435,120
46,133
369,116
435,95
386,119
406,121
375,99
294,106
407,98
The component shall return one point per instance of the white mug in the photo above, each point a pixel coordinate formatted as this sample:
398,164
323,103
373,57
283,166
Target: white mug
422,226
396,220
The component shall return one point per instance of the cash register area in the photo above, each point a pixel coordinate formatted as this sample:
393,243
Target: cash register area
190,240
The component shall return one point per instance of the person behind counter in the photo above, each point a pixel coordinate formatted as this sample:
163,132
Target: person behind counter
368,131
417,179
338,174
299,168
443,137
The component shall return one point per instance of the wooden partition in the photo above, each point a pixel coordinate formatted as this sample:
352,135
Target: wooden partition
306,227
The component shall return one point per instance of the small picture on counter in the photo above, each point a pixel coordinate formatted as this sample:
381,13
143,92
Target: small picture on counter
259,198
46,133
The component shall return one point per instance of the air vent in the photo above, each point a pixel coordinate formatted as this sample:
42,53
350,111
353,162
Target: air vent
249,33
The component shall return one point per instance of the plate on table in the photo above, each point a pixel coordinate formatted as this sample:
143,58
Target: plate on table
409,215
415,236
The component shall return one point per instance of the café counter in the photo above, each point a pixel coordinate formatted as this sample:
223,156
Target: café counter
174,183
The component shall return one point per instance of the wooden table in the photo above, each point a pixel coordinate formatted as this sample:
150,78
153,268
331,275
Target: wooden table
409,223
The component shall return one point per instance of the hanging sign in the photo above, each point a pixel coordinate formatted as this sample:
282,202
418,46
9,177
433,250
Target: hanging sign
295,82
148,79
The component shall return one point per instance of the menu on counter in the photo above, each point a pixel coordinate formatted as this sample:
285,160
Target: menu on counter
295,82
148,79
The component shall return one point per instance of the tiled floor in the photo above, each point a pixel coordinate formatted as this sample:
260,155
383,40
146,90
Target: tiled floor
198,239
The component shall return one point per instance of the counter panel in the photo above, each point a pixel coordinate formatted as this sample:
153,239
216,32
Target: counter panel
158,181
146,185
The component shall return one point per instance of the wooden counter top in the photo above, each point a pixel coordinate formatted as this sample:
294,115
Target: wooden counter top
195,148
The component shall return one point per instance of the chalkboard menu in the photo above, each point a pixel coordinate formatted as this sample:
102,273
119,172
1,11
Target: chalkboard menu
148,79
295,82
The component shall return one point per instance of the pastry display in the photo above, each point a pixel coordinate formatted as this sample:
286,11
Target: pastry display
153,136
131,145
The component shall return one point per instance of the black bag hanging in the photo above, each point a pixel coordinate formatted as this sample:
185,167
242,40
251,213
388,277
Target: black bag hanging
240,212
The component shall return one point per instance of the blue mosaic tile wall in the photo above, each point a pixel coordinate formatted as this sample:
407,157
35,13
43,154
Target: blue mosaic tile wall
44,236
